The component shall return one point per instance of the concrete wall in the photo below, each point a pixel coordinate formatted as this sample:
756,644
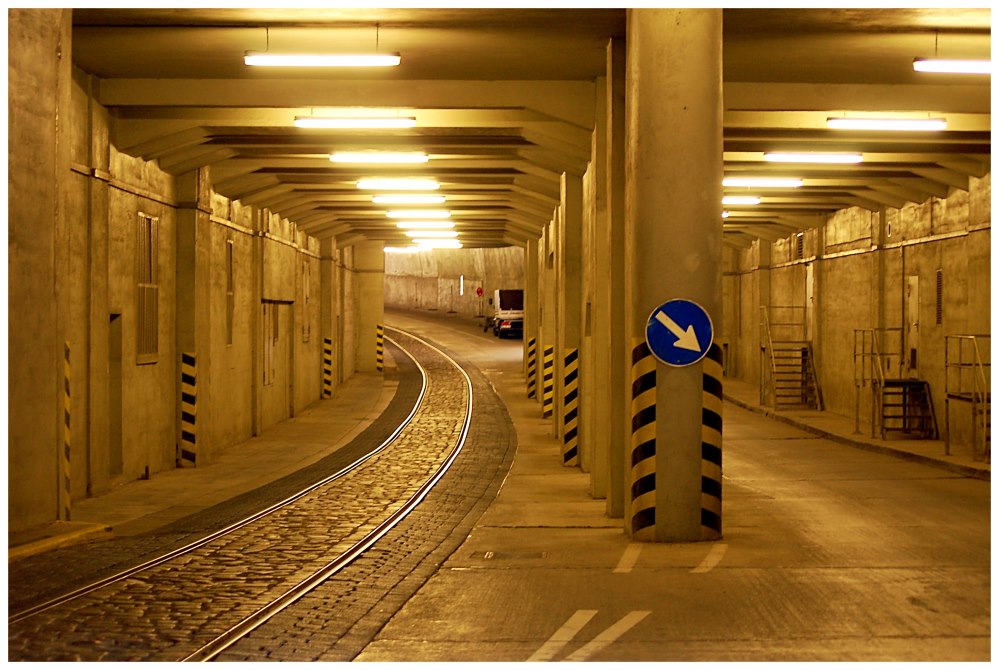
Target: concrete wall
74,207
859,266
431,280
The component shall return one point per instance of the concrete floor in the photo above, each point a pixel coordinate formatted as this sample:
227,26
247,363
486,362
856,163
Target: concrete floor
830,553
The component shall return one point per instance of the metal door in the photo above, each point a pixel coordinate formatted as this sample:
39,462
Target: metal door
912,325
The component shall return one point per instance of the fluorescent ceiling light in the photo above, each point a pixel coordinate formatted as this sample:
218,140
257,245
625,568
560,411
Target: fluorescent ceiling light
740,200
848,123
403,199
418,214
355,122
423,225
378,157
402,184
952,66
812,158
439,244
762,182
427,234
402,250
320,60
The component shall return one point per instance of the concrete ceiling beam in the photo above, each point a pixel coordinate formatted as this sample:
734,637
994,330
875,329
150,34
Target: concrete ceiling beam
946,98
569,101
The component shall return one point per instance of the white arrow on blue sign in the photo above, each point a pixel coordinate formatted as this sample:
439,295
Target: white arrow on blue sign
679,332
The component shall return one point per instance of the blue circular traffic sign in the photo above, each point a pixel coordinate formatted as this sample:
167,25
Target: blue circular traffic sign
679,332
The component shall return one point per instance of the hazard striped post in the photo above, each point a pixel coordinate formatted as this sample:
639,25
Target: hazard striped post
642,512
548,382
327,367
188,410
570,408
532,367
65,506
380,347
711,445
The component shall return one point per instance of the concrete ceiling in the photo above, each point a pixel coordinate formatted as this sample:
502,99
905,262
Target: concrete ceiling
504,100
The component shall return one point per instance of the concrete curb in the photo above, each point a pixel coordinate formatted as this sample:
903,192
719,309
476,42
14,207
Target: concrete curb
968,471
59,534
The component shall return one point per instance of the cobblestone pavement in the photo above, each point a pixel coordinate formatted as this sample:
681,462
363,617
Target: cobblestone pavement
168,611
341,617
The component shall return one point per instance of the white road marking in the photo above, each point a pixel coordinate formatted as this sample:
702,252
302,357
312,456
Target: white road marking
712,559
607,637
629,558
563,635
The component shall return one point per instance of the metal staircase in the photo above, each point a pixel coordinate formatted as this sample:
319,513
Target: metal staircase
969,380
793,382
907,409
900,406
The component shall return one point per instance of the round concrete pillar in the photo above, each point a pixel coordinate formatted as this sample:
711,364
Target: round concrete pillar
673,173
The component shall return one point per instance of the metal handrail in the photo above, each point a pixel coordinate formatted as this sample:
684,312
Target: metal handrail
979,393
981,387
787,317
873,355
984,398
768,340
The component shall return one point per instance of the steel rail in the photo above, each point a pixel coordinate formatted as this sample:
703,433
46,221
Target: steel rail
212,649
207,539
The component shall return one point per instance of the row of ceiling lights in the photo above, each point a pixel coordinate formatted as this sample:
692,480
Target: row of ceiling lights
938,65
434,230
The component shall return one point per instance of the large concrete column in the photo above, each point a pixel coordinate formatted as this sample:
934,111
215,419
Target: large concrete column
329,293
569,268
674,245
532,312
611,360
596,391
369,264
546,338
39,81
194,311
613,288
764,252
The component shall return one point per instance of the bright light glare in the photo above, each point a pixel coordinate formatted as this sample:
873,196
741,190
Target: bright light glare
424,225
846,123
379,157
418,214
740,200
399,184
321,60
952,66
354,122
438,244
402,250
762,182
432,233
812,158
401,199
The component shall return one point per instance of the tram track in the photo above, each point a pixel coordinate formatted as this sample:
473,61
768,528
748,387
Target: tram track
194,602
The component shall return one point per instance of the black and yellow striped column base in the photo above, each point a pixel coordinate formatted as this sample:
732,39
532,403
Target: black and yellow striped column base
380,347
327,367
548,382
532,367
188,410
642,512
570,407
65,495
711,445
